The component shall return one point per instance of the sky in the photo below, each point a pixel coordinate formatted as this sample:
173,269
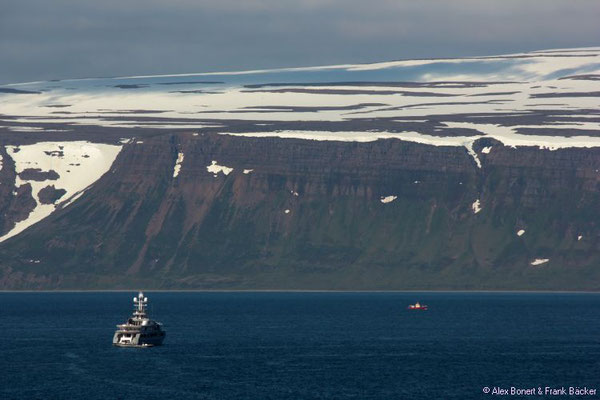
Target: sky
61,39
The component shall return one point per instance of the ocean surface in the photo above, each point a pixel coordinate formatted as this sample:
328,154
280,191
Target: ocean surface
243,345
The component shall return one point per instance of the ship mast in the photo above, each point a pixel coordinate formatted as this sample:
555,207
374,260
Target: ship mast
139,303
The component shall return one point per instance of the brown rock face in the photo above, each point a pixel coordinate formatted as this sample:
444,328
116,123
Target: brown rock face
15,203
300,214
35,174
50,195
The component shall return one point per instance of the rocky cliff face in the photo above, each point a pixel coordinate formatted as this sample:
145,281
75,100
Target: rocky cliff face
339,178
295,214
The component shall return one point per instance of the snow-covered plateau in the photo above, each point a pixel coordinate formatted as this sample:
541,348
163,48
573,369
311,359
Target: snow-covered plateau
501,96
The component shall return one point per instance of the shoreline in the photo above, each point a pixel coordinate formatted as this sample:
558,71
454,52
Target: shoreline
298,291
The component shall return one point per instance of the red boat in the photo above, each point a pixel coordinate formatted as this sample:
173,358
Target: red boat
417,306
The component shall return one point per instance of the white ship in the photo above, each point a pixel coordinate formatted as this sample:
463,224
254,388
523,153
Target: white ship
139,330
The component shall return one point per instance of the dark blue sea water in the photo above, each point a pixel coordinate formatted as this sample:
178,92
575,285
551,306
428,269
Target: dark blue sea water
299,345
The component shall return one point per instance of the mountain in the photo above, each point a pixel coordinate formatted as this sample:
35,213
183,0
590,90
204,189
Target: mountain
460,174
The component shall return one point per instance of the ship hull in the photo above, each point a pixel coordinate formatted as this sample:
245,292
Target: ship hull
136,340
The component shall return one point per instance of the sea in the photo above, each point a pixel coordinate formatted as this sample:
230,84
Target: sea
302,345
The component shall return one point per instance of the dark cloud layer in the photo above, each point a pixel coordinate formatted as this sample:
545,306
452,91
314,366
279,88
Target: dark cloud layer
42,39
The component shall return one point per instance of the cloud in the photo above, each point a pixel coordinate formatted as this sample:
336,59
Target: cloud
57,39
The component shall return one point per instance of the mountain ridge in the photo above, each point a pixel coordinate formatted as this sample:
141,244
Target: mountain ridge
376,184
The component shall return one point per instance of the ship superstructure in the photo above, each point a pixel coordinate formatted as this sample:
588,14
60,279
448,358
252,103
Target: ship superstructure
417,306
139,330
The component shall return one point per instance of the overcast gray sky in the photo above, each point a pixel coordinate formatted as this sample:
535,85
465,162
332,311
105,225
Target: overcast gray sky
57,39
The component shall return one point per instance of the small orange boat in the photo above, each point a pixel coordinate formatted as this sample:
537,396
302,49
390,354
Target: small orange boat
417,306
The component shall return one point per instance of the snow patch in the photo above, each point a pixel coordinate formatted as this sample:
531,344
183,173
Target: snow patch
472,153
579,237
509,137
540,261
387,199
476,206
521,232
486,150
178,163
25,128
505,134
73,198
247,171
287,211
216,168
78,164
294,193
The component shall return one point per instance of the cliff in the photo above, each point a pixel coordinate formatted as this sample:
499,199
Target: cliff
296,214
